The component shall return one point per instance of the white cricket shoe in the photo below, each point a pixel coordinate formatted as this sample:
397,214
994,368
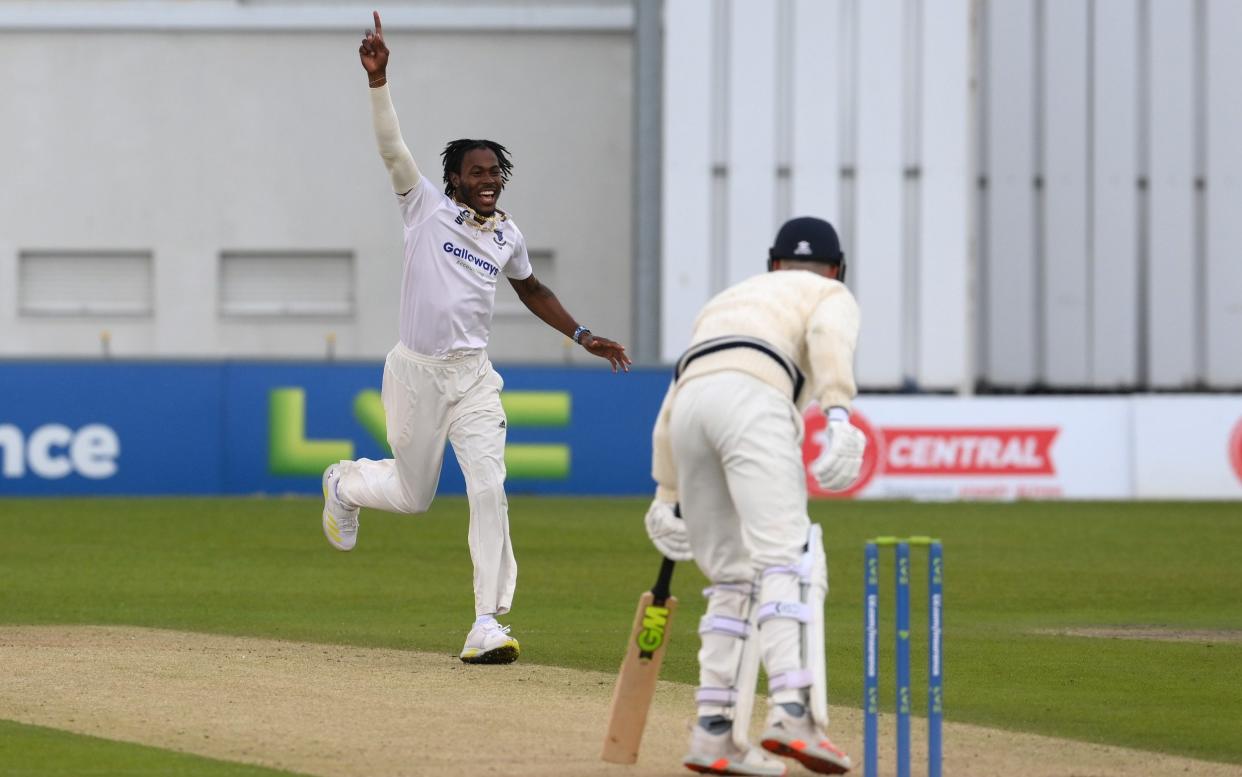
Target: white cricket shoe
797,737
490,643
717,753
340,523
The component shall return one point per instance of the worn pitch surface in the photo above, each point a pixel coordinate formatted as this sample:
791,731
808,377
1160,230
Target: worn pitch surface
342,711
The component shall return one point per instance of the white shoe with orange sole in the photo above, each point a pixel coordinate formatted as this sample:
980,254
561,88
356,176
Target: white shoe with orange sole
797,737
717,753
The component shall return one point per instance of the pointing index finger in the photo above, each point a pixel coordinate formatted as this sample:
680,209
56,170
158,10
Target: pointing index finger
379,29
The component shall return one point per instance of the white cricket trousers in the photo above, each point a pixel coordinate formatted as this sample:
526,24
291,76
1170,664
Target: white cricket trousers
426,402
737,442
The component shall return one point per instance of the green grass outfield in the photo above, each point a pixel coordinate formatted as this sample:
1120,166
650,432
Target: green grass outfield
261,567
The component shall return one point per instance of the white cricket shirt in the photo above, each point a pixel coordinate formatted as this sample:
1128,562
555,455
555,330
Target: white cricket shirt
811,319
448,287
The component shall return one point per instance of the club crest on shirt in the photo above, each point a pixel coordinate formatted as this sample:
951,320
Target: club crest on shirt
499,238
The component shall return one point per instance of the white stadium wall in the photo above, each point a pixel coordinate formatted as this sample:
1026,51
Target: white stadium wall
1110,200
1029,194
845,110
162,145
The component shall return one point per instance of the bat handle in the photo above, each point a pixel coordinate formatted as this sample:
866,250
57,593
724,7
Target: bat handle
660,591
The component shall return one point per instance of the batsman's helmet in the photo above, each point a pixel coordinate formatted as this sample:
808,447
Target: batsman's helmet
808,239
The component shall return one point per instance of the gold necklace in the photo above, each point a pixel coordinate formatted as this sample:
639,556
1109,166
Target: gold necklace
482,223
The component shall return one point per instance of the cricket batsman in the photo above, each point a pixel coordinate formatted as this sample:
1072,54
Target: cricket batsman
438,383
727,447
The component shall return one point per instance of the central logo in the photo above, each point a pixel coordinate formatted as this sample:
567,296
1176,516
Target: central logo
968,451
903,451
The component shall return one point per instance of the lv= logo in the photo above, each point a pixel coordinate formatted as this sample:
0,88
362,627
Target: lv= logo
291,452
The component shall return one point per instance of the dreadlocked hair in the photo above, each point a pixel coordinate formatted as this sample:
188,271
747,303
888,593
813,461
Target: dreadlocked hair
455,152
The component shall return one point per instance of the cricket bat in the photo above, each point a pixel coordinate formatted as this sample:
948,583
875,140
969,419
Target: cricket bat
636,684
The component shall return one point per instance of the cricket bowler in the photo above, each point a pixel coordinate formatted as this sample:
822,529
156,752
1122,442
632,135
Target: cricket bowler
438,382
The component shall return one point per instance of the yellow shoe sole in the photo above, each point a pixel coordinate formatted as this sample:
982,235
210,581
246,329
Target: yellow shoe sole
505,654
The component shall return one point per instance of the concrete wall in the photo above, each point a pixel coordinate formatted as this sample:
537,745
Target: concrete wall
250,131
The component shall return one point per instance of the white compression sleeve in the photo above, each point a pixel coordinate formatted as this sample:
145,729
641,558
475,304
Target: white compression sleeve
392,148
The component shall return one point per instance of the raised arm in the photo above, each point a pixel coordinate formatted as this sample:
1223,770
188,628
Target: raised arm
540,300
396,155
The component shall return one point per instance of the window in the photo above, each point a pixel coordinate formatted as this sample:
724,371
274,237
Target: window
85,283
282,284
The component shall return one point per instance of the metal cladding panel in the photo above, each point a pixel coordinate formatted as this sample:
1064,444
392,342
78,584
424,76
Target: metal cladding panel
1067,283
877,275
1010,289
751,146
815,160
1114,195
1172,269
1224,194
945,202
686,221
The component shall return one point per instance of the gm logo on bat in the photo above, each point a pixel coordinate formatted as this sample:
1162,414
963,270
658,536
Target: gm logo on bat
655,618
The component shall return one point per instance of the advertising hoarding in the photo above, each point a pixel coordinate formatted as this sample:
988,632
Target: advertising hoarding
160,428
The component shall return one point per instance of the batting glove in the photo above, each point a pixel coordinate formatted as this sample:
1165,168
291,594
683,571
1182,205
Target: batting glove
837,467
667,531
